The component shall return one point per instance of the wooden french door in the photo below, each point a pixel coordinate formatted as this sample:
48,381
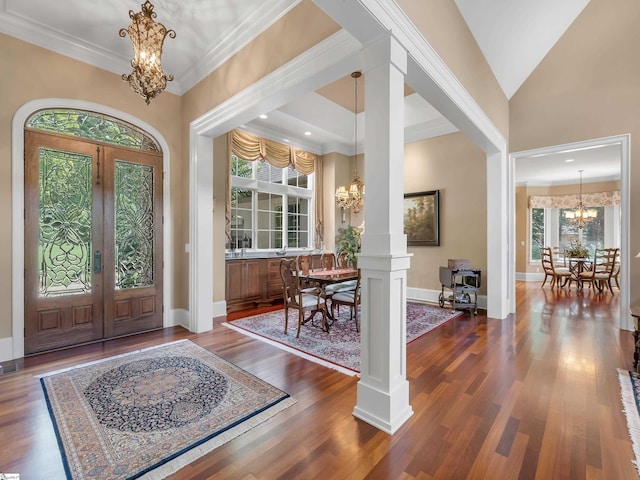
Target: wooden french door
93,241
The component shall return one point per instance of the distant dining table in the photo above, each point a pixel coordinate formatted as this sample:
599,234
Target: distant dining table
576,267
323,278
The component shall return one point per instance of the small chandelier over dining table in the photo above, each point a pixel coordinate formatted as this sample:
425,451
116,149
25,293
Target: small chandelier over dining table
353,196
581,215
147,78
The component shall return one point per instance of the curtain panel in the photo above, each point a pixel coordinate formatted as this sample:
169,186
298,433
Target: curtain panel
250,147
597,199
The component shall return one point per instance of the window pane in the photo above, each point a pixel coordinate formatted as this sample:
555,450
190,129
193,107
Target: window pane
268,173
241,168
269,220
537,232
297,179
569,231
241,214
593,231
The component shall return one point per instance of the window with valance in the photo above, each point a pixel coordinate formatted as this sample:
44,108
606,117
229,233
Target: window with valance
549,226
274,194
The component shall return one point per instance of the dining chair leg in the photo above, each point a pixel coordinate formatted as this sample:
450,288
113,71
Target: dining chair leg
355,308
300,320
286,318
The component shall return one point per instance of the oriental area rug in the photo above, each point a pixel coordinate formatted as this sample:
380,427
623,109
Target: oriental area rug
149,413
630,388
340,348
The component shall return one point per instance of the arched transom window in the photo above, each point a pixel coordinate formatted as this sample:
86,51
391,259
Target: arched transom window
93,126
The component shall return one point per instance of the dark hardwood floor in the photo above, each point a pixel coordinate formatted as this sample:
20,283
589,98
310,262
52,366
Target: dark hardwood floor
534,396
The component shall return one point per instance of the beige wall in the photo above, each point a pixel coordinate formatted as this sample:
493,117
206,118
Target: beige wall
456,167
522,214
31,73
587,87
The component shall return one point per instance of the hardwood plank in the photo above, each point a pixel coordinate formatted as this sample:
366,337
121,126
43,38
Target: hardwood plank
531,396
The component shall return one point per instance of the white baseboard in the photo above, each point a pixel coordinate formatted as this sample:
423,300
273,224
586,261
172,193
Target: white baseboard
178,316
6,349
431,296
219,308
529,276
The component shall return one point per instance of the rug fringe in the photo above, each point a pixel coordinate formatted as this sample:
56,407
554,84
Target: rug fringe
197,452
630,408
95,362
299,353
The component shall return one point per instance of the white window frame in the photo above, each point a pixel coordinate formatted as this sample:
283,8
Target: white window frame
259,186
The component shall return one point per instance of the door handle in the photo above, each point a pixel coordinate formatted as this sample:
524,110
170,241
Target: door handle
97,262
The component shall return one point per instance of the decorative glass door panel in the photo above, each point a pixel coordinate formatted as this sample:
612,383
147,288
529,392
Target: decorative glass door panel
93,241
65,244
134,225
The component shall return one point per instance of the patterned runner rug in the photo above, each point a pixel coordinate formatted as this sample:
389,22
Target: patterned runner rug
630,387
340,348
148,413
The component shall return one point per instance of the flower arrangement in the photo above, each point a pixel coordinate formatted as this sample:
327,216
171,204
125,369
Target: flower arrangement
577,250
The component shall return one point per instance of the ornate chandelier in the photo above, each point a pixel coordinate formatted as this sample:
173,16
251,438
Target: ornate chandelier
352,197
147,36
581,215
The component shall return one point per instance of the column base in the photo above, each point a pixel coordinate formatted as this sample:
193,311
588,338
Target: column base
387,411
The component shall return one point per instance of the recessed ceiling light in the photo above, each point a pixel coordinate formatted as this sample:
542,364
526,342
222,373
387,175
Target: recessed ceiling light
263,116
569,160
307,133
286,140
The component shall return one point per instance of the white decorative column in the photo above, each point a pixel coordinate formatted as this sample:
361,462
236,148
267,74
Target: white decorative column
383,389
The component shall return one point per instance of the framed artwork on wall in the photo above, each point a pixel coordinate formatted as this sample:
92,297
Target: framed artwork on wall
422,218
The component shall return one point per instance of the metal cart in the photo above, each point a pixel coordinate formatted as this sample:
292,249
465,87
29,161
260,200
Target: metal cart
463,284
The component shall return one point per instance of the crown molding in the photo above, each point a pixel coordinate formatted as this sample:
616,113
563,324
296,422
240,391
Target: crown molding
430,129
252,25
324,62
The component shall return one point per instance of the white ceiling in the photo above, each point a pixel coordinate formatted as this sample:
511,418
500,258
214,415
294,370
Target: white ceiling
514,36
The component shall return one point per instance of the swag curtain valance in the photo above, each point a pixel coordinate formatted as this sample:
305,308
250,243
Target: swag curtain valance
252,147
597,199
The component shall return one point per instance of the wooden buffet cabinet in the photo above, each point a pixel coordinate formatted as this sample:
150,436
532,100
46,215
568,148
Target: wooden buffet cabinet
252,282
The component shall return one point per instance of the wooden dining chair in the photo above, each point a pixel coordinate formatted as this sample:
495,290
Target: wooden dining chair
299,299
559,275
327,261
602,270
349,298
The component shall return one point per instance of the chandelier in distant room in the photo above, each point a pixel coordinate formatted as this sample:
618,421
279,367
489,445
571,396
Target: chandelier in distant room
147,36
580,215
353,196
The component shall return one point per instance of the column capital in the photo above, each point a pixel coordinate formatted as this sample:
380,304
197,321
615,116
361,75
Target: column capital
384,50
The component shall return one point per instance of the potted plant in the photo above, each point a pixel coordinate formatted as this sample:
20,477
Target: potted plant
577,250
348,241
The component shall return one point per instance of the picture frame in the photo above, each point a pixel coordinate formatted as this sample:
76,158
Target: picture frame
422,218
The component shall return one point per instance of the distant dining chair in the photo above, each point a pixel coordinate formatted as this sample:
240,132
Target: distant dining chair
328,261
559,275
603,267
349,298
297,299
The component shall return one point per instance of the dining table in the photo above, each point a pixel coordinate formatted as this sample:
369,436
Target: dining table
325,277
577,265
